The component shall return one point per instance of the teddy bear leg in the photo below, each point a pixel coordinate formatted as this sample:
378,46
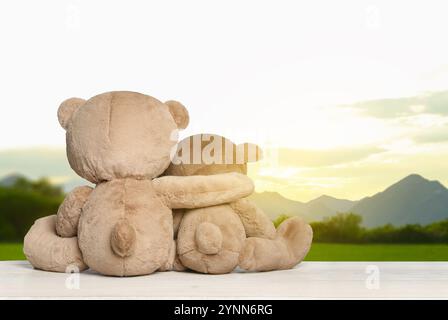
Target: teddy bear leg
178,266
255,221
178,214
292,243
45,250
173,263
210,239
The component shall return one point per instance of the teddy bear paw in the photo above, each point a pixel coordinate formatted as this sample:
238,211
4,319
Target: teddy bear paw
247,258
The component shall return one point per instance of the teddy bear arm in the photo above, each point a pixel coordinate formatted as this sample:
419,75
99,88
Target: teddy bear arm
255,221
69,211
191,192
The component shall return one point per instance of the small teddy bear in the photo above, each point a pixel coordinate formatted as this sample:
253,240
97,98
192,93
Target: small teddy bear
121,141
218,238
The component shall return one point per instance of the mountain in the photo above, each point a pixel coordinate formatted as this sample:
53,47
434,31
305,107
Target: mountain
326,206
10,180
275,204
412,200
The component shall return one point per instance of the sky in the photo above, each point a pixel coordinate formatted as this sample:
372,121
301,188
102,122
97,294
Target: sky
345,97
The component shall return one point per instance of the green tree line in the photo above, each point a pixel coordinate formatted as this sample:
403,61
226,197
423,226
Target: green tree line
347,228
24,202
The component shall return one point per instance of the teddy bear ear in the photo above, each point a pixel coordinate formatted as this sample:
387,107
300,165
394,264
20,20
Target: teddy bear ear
250,151
66,110
179,113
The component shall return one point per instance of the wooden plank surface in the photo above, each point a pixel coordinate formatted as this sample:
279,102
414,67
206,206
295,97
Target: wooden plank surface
309,280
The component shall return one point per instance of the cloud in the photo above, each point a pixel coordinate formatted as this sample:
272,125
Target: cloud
428,103
433,135
318,158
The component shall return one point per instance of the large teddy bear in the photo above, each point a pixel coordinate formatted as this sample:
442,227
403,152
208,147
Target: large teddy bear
218,238
122,141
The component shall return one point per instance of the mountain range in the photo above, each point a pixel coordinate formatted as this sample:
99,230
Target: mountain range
412,200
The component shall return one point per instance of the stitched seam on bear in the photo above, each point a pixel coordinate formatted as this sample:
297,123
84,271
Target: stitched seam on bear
111,102
195,249
124,217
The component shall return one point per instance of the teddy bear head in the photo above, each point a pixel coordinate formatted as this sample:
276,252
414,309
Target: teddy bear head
208,154
120,134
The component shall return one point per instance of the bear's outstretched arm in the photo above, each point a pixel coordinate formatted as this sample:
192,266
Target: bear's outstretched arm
70,210
255,221
290,246
45,250
202,191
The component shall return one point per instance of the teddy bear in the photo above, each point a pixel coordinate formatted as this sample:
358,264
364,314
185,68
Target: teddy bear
218,238
122,142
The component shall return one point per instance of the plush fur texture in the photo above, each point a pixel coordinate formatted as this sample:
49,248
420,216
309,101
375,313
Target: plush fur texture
289,247
45,250
121,141
69,211
210,239
218,238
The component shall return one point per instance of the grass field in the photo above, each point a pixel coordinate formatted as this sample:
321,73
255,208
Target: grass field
378,252
11,251
327,252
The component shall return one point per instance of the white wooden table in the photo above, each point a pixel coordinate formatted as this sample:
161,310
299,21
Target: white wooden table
309,280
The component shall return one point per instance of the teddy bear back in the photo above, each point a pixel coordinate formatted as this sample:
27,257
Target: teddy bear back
120,134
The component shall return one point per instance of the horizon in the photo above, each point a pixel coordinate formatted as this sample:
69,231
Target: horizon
78,181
